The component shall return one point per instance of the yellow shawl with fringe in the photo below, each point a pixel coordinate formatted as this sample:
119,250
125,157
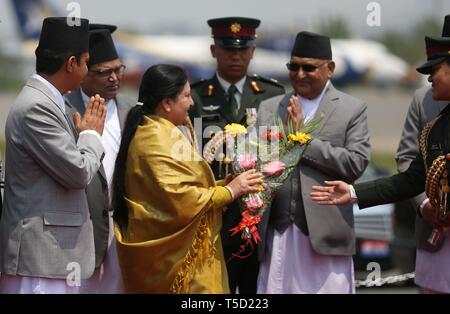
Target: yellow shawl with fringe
172,242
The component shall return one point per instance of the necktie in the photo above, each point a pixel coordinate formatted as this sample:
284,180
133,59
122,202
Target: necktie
232,101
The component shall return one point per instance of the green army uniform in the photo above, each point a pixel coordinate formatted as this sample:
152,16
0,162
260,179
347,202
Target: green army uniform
212,107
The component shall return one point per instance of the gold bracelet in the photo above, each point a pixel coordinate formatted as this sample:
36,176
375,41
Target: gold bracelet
231,192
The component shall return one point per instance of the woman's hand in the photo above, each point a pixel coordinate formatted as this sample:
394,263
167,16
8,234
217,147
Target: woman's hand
335,193
245,183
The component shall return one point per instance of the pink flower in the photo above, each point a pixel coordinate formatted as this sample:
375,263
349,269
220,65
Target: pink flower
247,161
253,201
273,168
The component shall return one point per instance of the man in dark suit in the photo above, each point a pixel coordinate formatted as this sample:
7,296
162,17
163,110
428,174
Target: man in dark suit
103,78
226,98
423,109
307,248
428,171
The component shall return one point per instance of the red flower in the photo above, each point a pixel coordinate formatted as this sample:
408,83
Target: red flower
270,136
248,221
267,135
277,135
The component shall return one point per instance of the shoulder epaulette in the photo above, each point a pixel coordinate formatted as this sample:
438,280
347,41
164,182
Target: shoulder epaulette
204,87
266,80
198,82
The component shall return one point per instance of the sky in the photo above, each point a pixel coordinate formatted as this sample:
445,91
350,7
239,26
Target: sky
189,17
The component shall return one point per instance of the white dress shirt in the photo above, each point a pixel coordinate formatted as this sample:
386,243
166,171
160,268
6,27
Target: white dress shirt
309,106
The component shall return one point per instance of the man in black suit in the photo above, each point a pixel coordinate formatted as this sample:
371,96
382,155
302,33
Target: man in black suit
427,172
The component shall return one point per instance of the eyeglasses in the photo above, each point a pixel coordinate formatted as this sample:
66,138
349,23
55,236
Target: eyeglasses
108,72
308,68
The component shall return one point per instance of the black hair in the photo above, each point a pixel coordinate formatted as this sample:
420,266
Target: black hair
159,82
49,62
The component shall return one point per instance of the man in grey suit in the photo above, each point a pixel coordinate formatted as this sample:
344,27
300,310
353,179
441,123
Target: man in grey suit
307,248
46,237
422,110
103,78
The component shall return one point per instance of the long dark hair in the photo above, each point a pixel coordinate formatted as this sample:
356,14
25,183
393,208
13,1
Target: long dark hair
159,82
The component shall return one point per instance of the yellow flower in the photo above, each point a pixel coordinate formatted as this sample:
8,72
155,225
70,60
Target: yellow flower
234,129
300,137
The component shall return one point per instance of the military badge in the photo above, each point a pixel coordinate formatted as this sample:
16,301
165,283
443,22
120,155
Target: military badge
251,116
210,108
210,90
235,27
255,87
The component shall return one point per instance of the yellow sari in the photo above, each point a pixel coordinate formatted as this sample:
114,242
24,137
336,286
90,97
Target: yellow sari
172,242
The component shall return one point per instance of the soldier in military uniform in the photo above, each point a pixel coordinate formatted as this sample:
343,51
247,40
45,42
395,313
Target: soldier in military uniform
428,172
224,99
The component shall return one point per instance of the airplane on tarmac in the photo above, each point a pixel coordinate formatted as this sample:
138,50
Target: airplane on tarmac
356,59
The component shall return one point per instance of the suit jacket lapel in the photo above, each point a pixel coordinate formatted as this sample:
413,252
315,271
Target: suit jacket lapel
442,105
326,107
220,94
122,112
75,101
246,100
282,109
69,115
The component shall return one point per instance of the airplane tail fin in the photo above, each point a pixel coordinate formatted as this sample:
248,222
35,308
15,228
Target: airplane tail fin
29,15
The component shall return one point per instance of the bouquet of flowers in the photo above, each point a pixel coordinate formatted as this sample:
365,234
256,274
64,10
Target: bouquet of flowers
274,153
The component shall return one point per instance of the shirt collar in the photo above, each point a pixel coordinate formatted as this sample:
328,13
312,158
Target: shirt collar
86,98
54,90
225,85
316,101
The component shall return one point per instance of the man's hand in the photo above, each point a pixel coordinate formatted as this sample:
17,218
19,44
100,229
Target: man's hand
94,117
295,112
335,193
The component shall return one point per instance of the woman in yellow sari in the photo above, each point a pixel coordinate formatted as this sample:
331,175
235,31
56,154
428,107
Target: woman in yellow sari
167,206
